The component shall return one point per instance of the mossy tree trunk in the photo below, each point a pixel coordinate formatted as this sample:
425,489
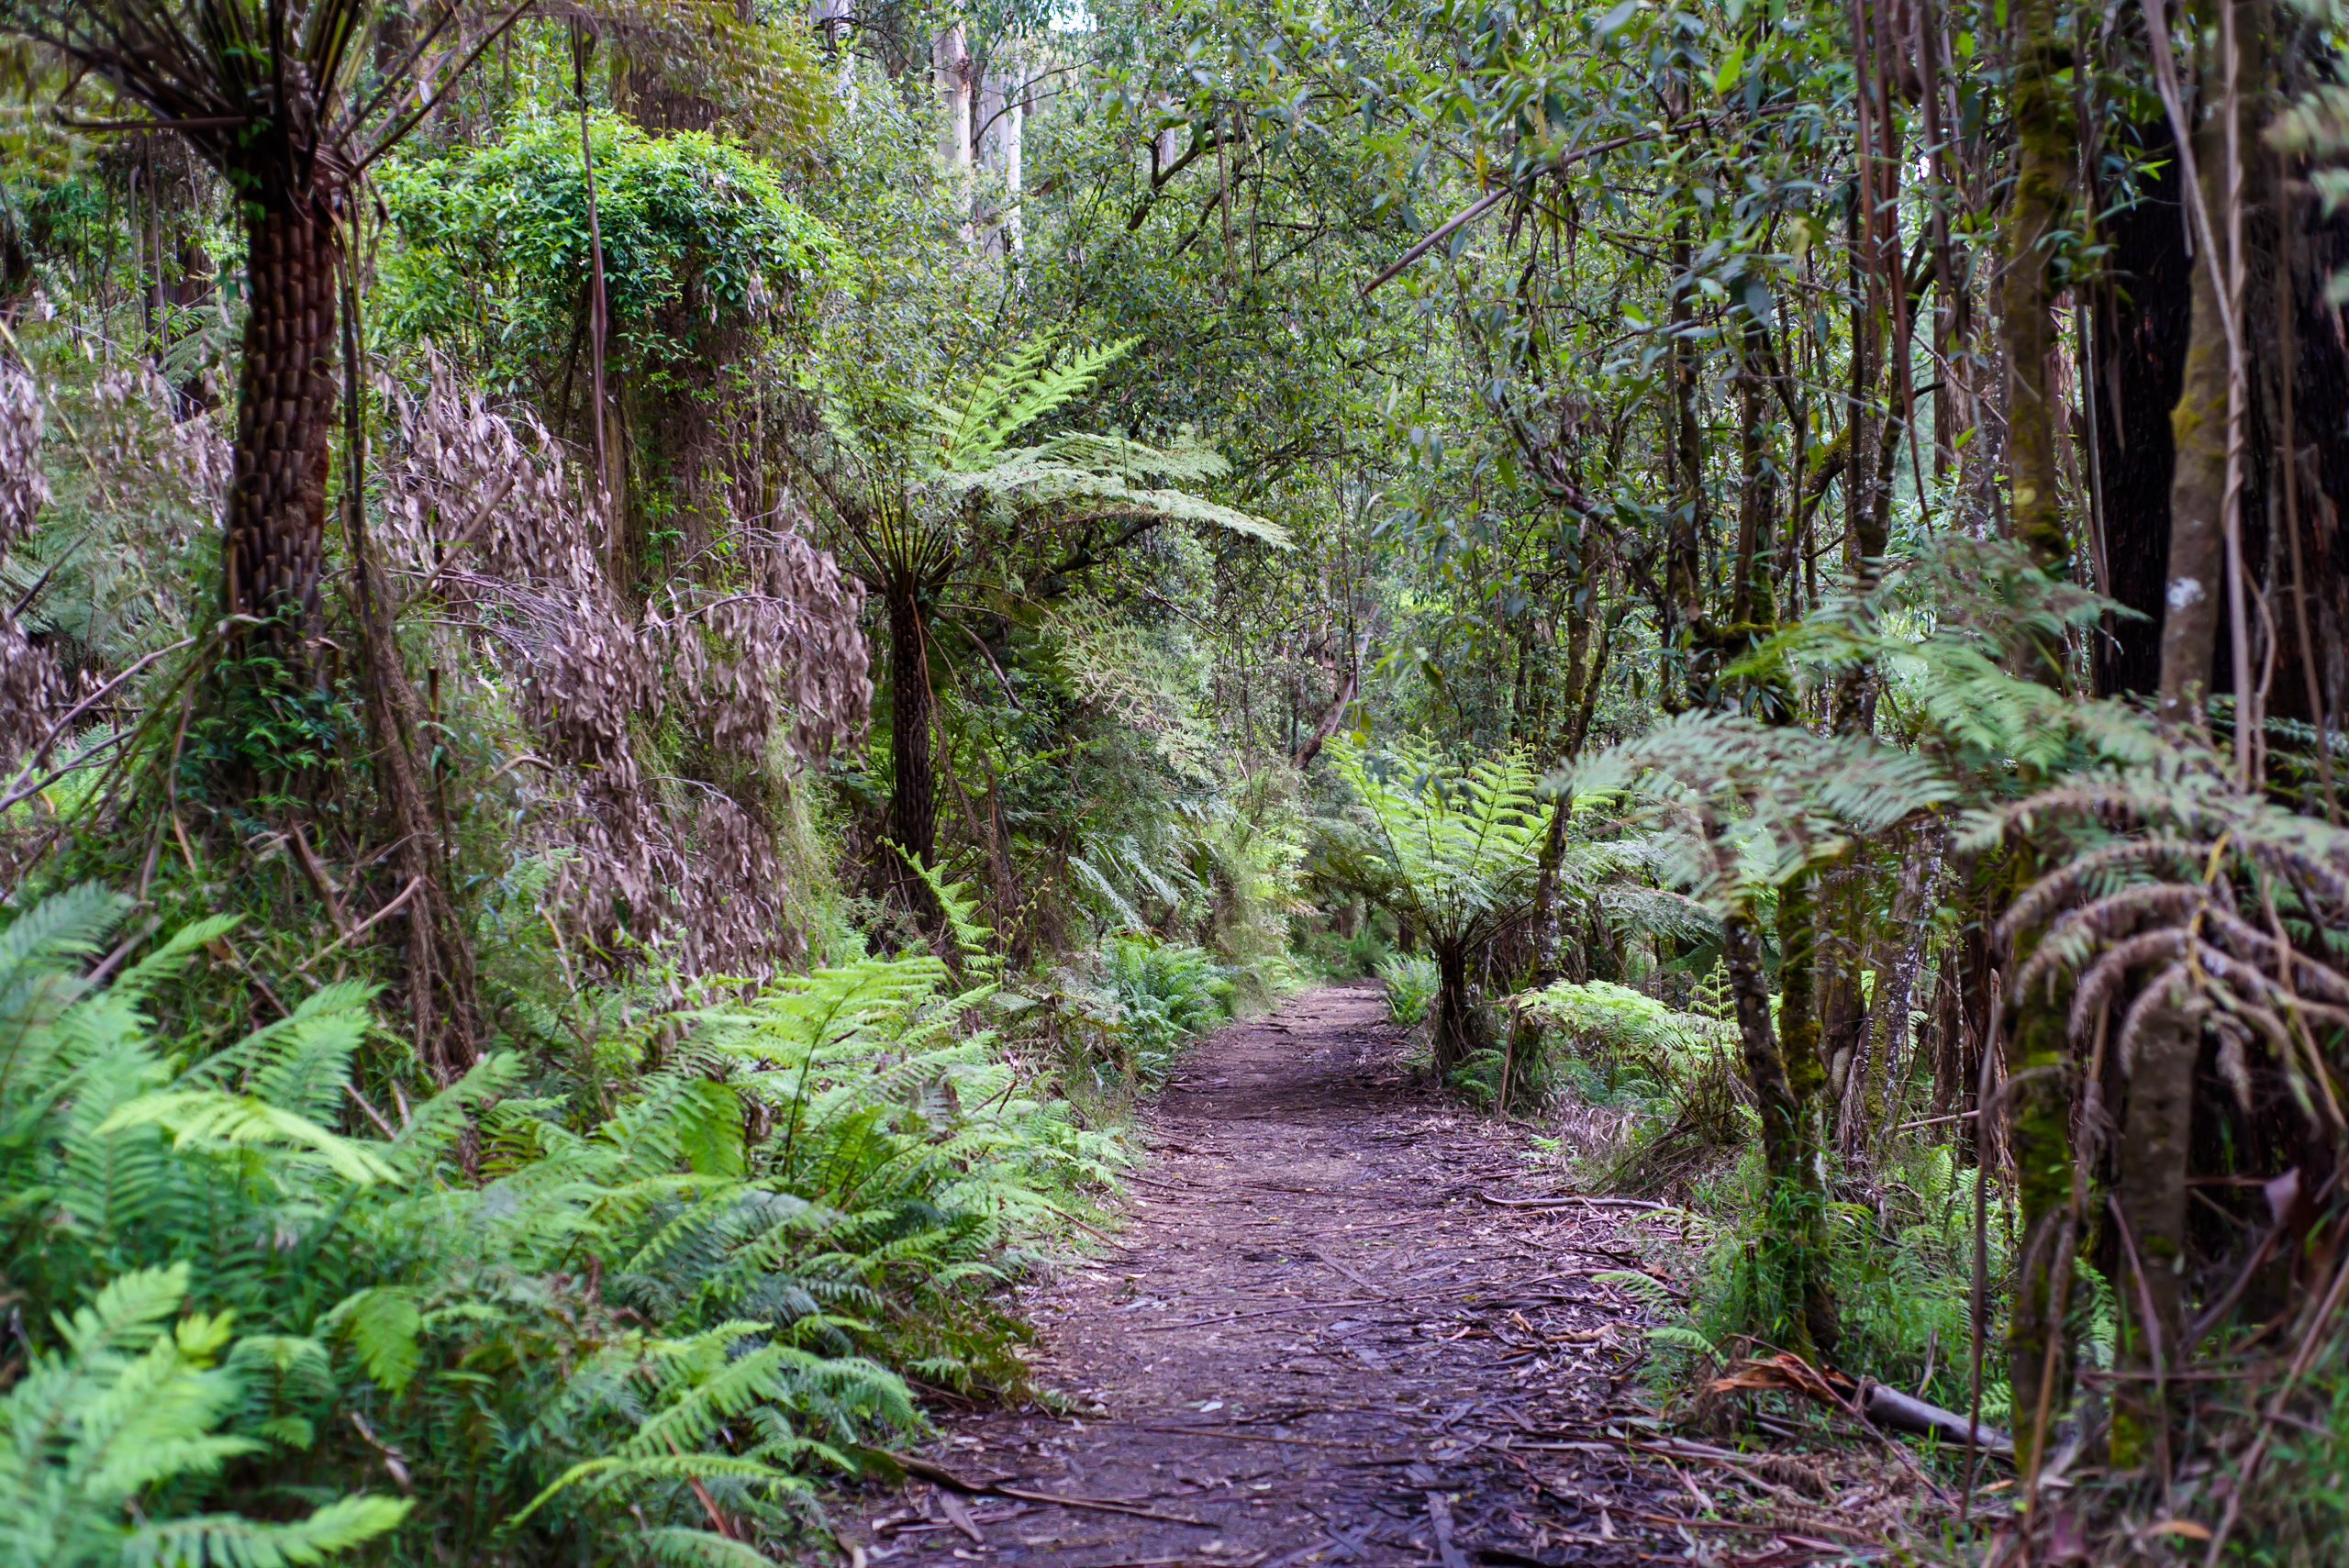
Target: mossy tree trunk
2206,427
1791,1151
2039,1132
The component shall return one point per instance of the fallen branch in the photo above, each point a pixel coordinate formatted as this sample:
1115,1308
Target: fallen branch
1355,1275
1571,1200
1873,1402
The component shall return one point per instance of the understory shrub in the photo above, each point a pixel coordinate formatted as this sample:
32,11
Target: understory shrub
1674,1076
632,1331
1339,957
1411,984
1902,1264
1167,993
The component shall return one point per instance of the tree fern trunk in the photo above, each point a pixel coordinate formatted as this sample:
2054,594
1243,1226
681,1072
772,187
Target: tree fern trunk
913,790
275,528
1457,1032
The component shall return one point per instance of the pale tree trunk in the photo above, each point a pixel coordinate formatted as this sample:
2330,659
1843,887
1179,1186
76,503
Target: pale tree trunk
951,68
829,20
1002,136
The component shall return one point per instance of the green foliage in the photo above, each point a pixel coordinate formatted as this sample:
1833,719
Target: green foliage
126,1412
1675,1075
725,1280
1411,984
494,245
1454,849
1167,996
1903,1276
1630,1026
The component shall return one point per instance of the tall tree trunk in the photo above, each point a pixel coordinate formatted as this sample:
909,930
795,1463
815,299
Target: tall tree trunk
1684,559
2206,425
1753,605
275,529
1791,1149
2038,1344
2207,428
1001,134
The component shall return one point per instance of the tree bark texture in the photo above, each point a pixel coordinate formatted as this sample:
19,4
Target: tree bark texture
1459,1032
2195,578
2157,1122
1798,1219
951,68
1752,604
2042,207
913,788
275,529
2039,1131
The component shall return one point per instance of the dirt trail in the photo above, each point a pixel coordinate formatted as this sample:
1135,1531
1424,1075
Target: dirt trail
1320,1342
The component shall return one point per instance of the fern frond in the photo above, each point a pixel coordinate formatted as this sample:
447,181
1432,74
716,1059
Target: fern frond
233,1542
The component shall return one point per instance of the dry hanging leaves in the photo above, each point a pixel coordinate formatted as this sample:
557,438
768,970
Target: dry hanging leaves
762,644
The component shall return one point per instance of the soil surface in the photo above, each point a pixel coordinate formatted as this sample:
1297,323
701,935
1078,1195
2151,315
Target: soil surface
1321,1339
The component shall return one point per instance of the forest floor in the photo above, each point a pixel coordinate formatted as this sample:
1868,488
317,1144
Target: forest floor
1321,1340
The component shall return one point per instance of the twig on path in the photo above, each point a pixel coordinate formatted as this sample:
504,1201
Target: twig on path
1355,1275
1439,1517
1099,1235
938,1475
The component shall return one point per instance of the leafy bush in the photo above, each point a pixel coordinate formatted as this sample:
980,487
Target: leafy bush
1343,958
1167,993
493,241
635,1330
1675,1072
1412,982
129,1407
1902,1270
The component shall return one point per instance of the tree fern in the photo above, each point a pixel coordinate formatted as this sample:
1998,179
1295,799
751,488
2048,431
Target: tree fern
2189,895
1456,850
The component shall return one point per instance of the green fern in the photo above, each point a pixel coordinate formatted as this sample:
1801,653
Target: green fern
710,1283
132,1404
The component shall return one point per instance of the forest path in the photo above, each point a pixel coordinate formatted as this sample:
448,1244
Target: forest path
1318,1340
